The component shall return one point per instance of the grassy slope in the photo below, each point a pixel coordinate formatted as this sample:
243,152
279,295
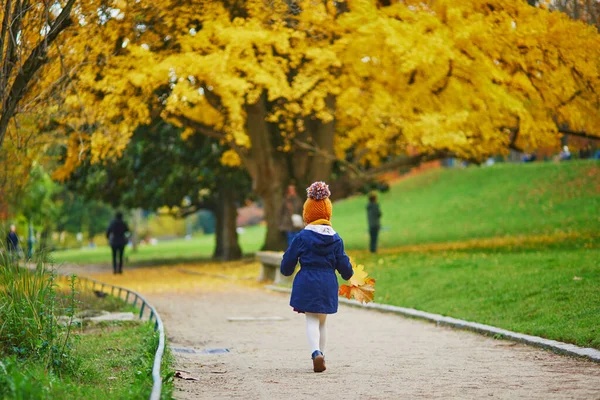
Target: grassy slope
438,206
550,292
547,288
458,204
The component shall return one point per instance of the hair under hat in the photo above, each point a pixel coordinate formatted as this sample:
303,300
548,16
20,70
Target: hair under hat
317,205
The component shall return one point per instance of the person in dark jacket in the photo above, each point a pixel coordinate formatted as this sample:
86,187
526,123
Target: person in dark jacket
291,210
117,239
12,241
320,251
373,218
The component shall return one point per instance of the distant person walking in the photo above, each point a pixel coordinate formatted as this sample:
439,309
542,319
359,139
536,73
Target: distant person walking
117,239
291,221
12,241
373,217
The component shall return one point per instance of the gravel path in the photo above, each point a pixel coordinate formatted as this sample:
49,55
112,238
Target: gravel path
369,355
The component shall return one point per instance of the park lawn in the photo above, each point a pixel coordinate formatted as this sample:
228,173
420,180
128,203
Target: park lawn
164,252
116,362
549,291
451,205
109,362
439,206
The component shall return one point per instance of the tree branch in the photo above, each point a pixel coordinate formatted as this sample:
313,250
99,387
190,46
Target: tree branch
34,62
406,161
197,126
446,79
349,184
583,134
10,59
3,31
327,155
365,175
194,208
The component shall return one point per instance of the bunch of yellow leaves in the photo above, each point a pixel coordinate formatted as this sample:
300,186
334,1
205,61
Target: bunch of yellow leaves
361,287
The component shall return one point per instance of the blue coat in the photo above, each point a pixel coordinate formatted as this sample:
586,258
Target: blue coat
320,251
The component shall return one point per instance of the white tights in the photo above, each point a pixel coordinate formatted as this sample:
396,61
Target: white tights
316,331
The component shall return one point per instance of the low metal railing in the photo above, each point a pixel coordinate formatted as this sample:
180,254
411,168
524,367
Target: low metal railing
145,308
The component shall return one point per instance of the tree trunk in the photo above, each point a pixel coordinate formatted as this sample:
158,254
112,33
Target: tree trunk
272,203
227,246
268,169
272,170
323,134
137,220
219,211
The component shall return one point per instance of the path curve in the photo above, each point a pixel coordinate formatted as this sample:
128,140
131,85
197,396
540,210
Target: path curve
370,355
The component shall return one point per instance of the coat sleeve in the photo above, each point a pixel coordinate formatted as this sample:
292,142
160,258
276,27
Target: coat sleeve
343,265
290,257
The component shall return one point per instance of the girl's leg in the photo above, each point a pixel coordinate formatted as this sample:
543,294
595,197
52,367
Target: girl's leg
313,331
322,331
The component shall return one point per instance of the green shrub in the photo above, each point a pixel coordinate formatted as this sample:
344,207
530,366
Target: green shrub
29,307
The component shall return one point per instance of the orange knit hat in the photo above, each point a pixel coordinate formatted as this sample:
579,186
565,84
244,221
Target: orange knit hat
317,205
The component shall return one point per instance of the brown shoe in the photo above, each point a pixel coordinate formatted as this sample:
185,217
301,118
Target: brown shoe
318,362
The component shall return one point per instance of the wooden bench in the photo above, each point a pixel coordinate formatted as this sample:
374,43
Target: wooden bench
271,261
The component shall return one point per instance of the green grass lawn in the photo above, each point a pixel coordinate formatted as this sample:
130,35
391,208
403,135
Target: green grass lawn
44,357
109,362
550,291
117,363
458,204
444,205
171,251
547,287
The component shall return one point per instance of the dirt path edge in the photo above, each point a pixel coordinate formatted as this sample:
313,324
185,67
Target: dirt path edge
488,330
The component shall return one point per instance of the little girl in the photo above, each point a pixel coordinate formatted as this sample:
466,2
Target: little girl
320,251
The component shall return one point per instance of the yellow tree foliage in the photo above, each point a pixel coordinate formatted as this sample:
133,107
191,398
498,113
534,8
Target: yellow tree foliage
43,46
292,86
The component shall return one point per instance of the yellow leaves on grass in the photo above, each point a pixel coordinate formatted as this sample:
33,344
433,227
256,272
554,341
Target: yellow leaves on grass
492,243
361,287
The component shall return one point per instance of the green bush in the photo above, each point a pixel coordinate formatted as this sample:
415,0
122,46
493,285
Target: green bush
20,382
29,307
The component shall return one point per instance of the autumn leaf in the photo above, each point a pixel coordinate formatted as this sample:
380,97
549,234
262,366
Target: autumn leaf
359,276
361,287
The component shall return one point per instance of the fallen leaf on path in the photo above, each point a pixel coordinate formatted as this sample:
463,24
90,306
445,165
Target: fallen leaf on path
185,376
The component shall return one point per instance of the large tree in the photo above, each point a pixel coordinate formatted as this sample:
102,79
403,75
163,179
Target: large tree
159,169
297,88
